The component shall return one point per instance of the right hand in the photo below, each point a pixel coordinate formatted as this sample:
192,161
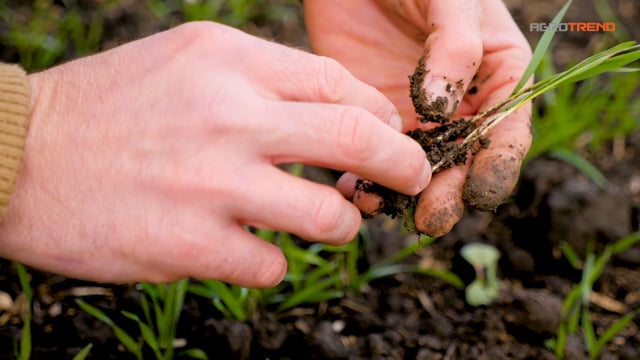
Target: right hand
143,163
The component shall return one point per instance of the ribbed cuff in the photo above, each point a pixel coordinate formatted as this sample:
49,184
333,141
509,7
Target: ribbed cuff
14,117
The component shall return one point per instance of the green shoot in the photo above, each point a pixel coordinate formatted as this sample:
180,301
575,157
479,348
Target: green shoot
125,339
484,258
161,307
83,353
613,59
575,309
316,274
24,352
541,49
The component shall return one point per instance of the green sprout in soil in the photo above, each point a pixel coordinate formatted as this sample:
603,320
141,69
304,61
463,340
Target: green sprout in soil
575,314
161,308
442,144
486,286
316,274
23,350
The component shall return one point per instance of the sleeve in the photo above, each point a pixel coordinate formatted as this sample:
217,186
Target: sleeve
14,117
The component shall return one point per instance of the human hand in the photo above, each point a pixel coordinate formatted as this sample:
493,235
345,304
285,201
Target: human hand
144,162
472,47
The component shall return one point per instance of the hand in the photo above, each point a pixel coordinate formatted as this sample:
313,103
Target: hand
144,162
472,45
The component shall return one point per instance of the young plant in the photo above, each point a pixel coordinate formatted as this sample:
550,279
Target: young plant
161,307
82,354
355,280
23,352
486,286
49,34
315,274
575,309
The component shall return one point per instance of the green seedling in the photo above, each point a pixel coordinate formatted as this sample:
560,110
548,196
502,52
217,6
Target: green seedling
82,354
356,280
484,259
23,351
161,307
49,34
575,309
315,274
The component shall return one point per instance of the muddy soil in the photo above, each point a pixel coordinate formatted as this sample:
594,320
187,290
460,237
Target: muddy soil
407,316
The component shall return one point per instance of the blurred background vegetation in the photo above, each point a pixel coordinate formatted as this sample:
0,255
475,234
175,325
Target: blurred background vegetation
41,33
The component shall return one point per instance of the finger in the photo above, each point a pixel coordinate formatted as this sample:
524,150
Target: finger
496,169
346,185
453,52
368,203
440,206
246,260
312,211
299,76
349,139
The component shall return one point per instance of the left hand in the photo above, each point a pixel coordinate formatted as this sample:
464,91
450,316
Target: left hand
471,43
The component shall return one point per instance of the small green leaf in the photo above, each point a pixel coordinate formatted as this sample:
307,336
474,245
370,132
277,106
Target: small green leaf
95,312
194,353
129,343
612,331
480,255
478,293
83,353
147,334
581,164
625,243
541,48
588,331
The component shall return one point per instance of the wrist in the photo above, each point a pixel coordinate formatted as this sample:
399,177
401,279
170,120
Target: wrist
14,118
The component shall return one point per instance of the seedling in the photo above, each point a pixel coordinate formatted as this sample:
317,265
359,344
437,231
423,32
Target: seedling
161,307
23,352
575,309
484,258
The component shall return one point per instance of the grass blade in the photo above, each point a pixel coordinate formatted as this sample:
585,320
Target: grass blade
318,292
25,338
129,343
83,353
581,164
541,48
147,334
625,243
226,296
612,331
588,332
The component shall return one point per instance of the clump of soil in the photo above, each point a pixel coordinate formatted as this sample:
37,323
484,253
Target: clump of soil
441,144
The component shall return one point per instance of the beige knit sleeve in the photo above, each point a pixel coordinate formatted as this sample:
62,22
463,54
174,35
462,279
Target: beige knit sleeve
14,116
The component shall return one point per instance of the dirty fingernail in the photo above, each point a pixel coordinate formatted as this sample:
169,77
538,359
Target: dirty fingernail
441,100
396,122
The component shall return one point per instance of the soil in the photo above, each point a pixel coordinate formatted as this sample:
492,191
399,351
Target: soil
407,316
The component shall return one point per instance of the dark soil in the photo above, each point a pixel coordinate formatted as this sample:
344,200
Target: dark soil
407,316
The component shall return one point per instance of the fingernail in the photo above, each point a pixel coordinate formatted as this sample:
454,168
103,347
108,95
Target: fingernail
396,122
441,100
425,177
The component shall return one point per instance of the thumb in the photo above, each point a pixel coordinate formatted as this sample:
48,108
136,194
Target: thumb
453,52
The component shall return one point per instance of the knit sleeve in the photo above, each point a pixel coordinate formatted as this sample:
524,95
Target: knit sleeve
14,116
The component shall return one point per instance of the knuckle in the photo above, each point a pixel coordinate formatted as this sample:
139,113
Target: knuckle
330,80
353,135
326,214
